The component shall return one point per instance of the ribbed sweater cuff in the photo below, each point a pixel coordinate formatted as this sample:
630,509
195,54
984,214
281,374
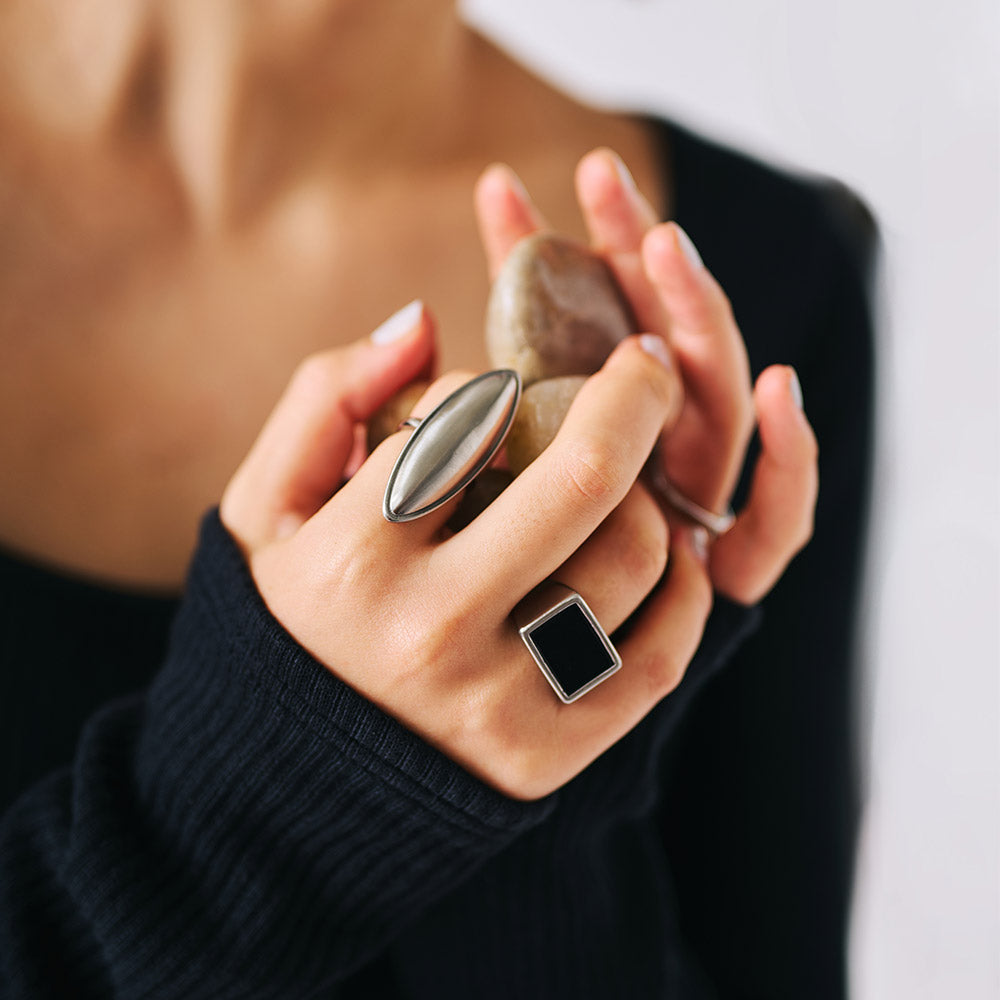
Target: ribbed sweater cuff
299,825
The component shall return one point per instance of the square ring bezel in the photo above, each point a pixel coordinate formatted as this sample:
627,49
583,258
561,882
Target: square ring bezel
526,632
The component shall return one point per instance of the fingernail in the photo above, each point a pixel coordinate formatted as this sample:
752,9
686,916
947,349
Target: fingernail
688,248
795,387
630,186
624,174
399,324
699,544
517,185
657,347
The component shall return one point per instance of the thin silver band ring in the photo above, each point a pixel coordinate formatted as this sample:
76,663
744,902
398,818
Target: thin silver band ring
716,524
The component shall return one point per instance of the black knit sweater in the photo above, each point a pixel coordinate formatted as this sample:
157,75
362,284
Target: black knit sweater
251,827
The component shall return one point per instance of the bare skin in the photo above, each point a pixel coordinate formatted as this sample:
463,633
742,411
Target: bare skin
193,200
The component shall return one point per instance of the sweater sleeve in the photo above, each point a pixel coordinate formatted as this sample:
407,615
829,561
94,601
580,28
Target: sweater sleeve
251,827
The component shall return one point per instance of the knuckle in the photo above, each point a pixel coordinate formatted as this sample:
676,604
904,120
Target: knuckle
425,644
662,671
431,629
487,735
592,475
642,549
664,667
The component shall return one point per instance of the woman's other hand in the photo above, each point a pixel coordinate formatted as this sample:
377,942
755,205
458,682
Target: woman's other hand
418,619
673,295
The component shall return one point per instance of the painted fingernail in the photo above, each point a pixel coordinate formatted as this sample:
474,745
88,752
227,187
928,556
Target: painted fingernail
657,347
504,173
624,174
399,324
699,544
631,188
688,248
795,387
517,185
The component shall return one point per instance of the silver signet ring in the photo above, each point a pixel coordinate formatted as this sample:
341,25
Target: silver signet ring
566,640
452,445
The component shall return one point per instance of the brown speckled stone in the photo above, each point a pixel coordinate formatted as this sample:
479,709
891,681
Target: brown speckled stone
540,415
480,493
554,315
554,309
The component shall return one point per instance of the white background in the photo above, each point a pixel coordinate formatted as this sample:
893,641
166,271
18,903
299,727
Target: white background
900,99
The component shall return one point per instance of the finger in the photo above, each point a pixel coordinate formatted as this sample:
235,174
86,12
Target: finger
504,212
298,460
616,213
617,217
654,656
704,456
537,523
778,519
622,561
702,328
366,490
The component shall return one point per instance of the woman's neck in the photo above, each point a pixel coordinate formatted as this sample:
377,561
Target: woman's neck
253,91
236,99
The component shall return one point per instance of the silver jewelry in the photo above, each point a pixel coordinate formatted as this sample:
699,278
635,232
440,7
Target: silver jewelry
716,524
451,445
566,641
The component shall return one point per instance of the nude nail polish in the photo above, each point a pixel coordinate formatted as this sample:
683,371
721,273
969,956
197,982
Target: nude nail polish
399,324
699,544
657,348
795,387
624,174
517,185
688,248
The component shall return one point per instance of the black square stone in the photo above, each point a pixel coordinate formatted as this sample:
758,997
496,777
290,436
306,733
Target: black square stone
572,649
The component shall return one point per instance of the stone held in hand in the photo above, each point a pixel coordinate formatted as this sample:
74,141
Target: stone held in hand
554,309
555,313
543,408
478,495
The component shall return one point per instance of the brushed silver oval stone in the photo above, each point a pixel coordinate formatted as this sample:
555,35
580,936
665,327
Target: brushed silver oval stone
452,445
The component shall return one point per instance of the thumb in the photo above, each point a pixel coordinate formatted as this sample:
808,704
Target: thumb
298,460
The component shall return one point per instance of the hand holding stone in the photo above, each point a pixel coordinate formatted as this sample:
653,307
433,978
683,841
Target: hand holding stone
555,313
672,295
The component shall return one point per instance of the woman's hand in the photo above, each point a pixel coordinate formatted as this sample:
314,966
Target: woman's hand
673,295
418,619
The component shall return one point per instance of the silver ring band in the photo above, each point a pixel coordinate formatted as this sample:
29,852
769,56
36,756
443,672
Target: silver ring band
451,445
716,524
